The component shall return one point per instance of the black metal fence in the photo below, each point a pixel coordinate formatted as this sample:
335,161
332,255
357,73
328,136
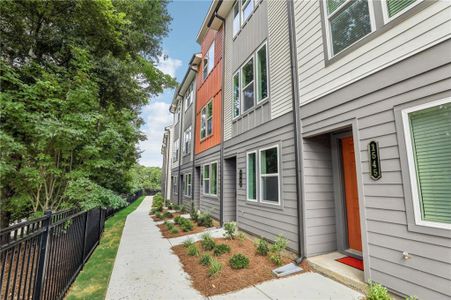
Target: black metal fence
40,258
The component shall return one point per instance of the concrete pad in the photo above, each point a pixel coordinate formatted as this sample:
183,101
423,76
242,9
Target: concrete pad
308,285
250,293
214,232
145,267
327,265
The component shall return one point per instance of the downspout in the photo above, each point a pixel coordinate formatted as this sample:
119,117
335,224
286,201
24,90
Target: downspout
297,131
193,139
180,189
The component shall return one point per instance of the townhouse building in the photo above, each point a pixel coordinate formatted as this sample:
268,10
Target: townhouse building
166,169
208,121
329,122
183,110
375,112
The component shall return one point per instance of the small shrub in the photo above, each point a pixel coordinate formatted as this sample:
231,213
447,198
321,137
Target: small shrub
241,237
174,230
377,292
239,261
215,267
262,247
193,214
193,251
183,209
230,230
276,259
169,226
170,205
207,242
221,249
205,220
205,259
411,298
177,207
167,215
178,220
186,225
188,242
276,250
158,215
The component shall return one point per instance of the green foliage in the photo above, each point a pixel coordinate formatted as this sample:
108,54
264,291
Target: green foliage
239,261
241,237
205,259
170,205
174,230
177,207
193,214
262,247
377,292
276,250
167,215
221,249
411,298
207,242
215,267
188,242
74,77
169,225
186,225
178,220
230,230
205,220
142,177
192,250
158,215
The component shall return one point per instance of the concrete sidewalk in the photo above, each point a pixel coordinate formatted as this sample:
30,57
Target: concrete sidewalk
146,268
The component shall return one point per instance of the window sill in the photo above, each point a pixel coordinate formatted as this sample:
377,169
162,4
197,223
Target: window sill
251,110
206,138
211,196
275,206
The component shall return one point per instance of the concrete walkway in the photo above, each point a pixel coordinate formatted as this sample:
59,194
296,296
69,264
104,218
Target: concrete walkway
146,268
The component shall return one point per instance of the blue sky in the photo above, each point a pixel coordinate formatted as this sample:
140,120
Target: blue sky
178,46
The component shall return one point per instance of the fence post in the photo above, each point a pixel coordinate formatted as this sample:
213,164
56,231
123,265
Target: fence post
40,274
85,236
100,222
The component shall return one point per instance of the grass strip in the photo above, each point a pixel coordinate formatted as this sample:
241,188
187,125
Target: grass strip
92,282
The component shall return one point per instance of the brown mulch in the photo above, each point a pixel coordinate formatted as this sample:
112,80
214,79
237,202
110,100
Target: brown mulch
259,270
165,232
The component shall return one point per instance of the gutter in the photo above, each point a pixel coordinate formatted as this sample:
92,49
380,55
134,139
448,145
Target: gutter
297,131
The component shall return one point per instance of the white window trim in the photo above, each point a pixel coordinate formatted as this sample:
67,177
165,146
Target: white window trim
256,176
411,162
388,19
187,186
209,178
260,175
239,93
244,87
327,18
238,3
206,120
257,76
187,151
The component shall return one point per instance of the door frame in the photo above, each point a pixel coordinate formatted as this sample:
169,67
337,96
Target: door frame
339,195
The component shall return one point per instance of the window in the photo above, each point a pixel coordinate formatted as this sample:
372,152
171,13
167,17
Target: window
236,18
428,139
177,113
247,78
236,95
187,141
209,61
175,152
189,95
392,8
187,185
174,184
206,121
347,22
247,6
209,179
251,176
269,175
262,74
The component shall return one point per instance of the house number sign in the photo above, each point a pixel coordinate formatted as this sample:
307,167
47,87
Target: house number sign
240,179
374,159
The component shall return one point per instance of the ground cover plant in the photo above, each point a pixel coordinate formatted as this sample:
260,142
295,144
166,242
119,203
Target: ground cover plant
185,226
226,265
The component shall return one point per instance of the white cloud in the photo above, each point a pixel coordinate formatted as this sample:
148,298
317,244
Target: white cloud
169,65
156,116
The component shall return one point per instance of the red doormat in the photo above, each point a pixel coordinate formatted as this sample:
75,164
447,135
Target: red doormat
351,261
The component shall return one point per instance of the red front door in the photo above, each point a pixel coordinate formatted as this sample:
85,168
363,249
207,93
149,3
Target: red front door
351,194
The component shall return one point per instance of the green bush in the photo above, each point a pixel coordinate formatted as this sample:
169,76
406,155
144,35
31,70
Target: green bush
158,202
186,225
174,230
239,261
183,209
215,267
205,220
167,215
158,215
241,237
188,242
205,259
276,250
262,247
170,205
207,242
230,230
221,249
193,214
177,207
178,220
377,292
193,251
169,225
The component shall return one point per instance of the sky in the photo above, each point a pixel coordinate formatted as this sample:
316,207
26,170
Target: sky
178,46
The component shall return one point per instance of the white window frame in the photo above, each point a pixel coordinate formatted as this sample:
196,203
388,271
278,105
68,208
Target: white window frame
187,185
187,137
243,19
205,108
177,112
209,178
210,61
327,17
257,74
260,175
388,19
235,33
256,176
252,57
238,72
175,154
189,96
412,167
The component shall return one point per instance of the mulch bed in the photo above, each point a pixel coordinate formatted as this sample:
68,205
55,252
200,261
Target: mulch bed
163,219
165,232
259,270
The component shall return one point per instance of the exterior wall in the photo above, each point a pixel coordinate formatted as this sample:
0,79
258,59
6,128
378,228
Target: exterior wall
186,169
425,29
175,193
372,107
188,120
229,195
209,204
208,89
268,220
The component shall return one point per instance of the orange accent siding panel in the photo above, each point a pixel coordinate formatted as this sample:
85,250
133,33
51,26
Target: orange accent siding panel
210,89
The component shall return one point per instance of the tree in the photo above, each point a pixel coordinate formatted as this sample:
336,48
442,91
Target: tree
143,177
74,76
